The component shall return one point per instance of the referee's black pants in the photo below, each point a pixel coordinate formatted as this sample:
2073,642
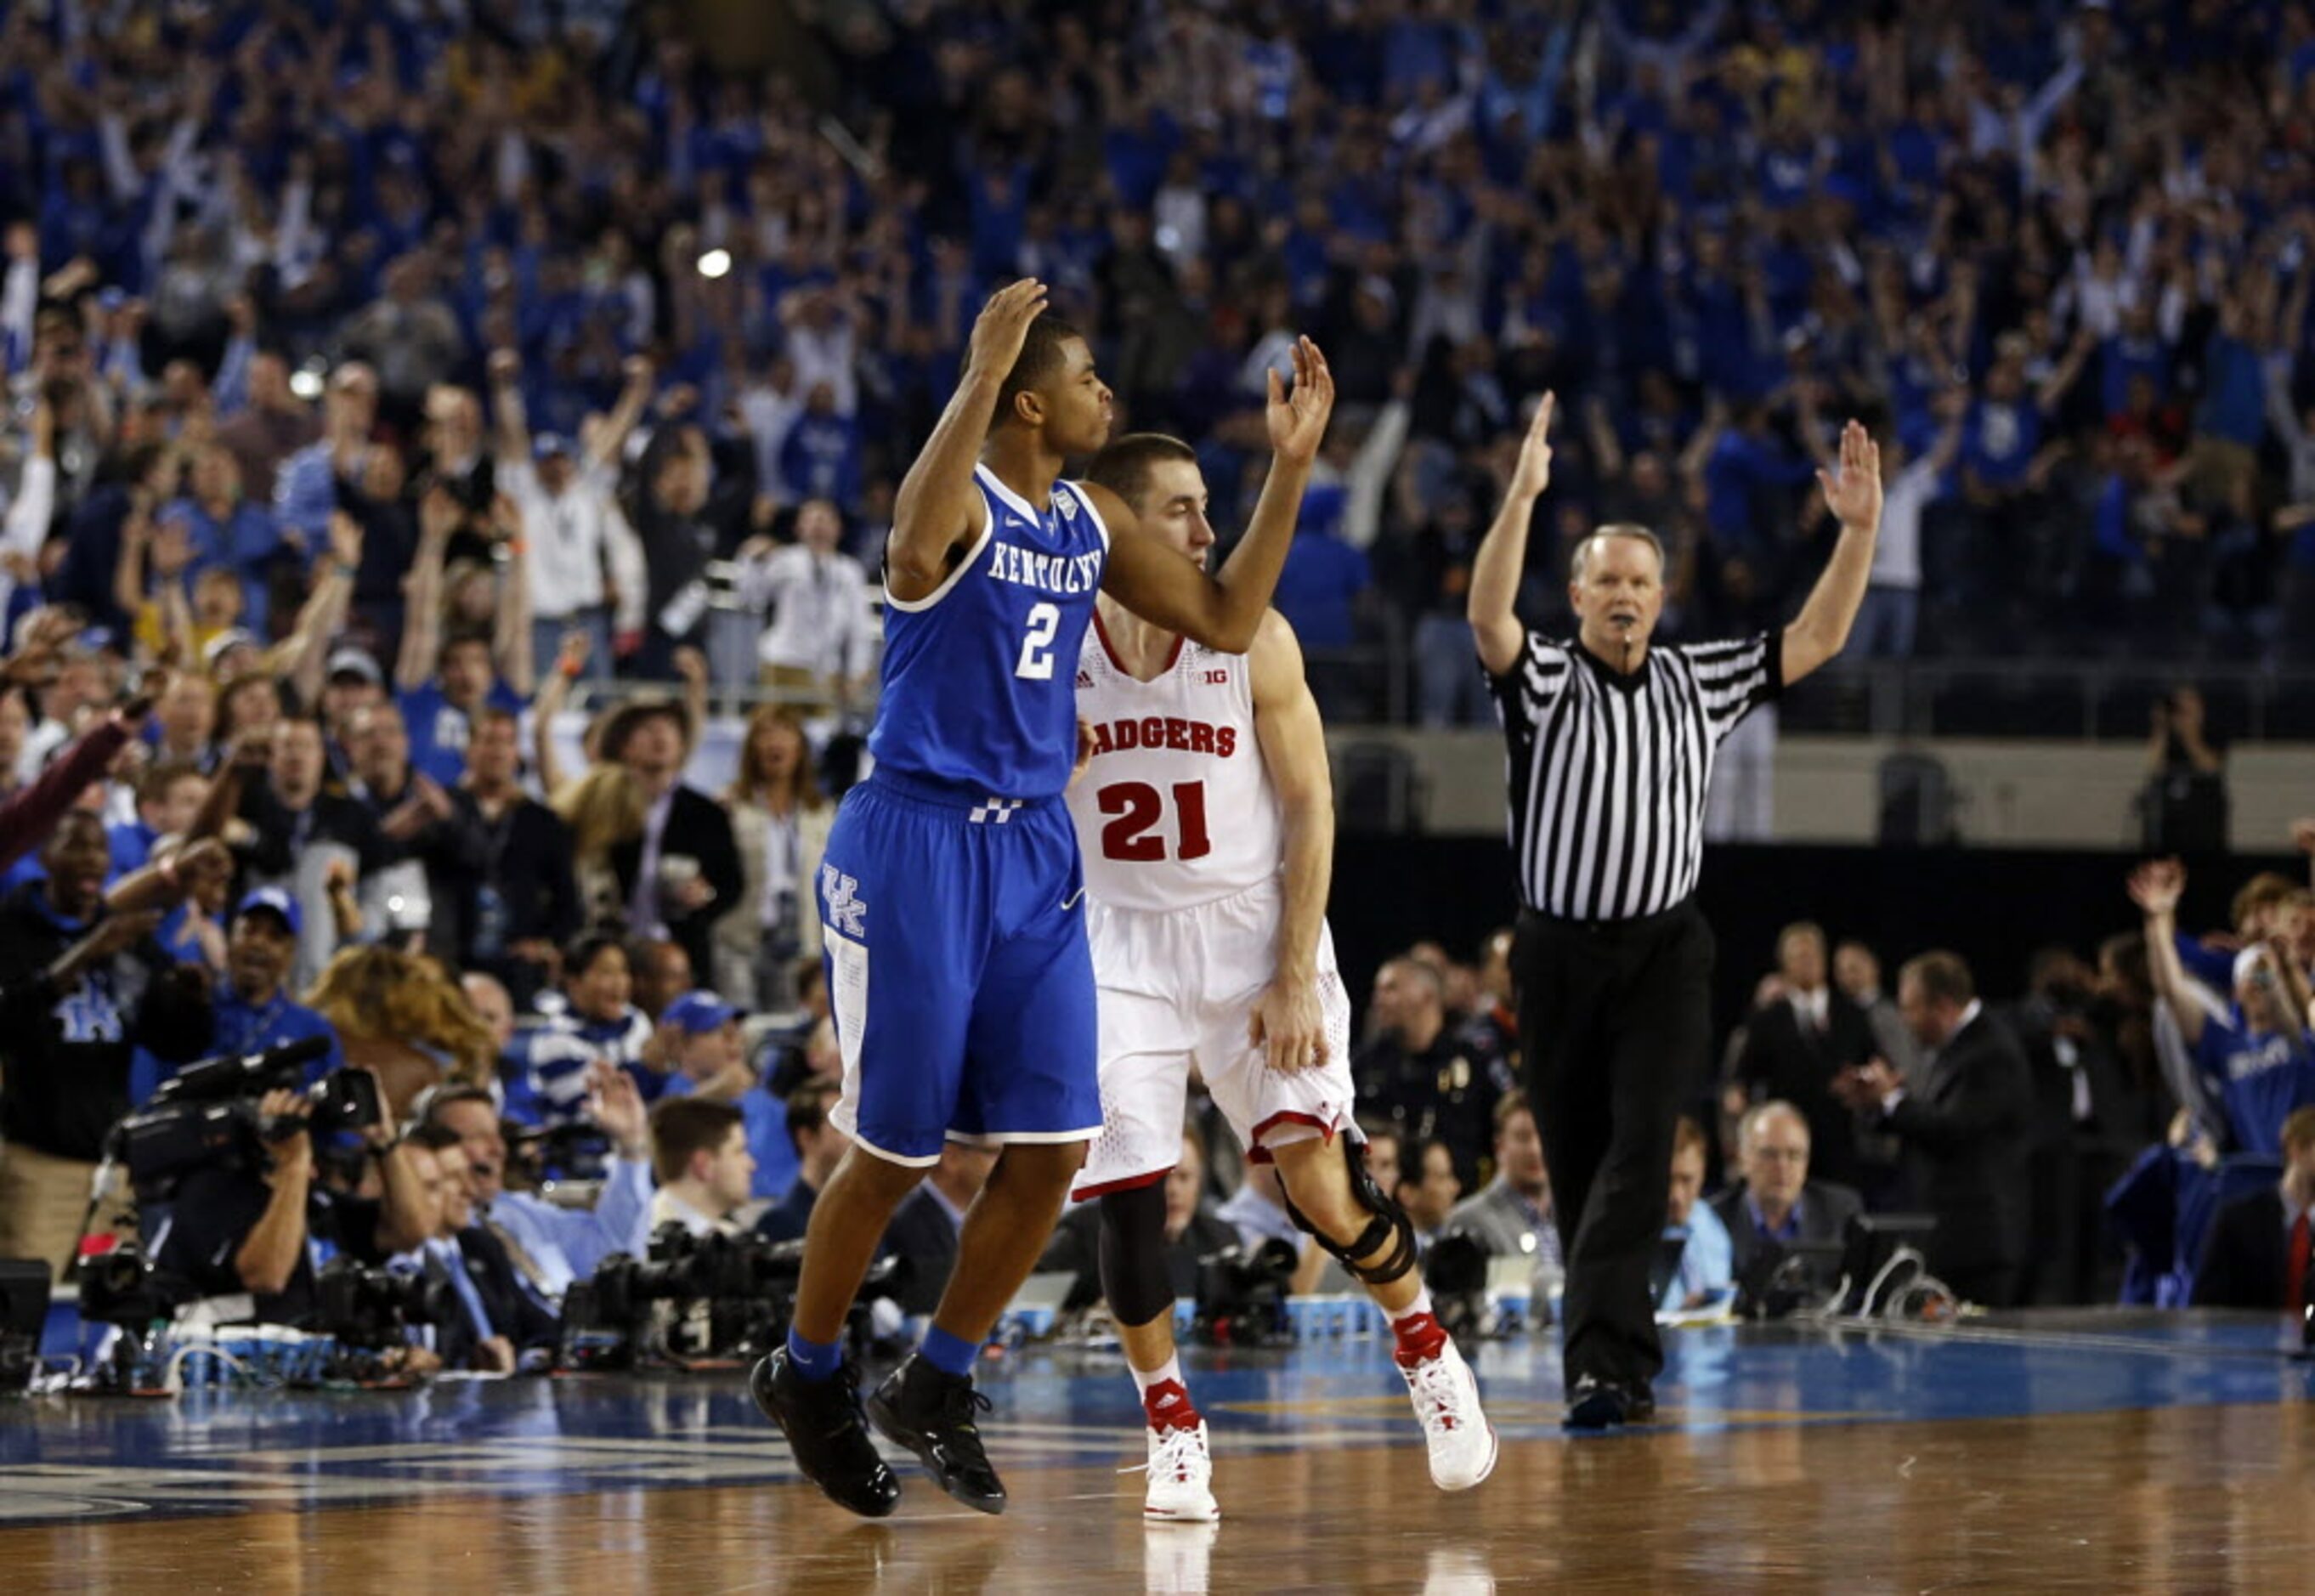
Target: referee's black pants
1615,1021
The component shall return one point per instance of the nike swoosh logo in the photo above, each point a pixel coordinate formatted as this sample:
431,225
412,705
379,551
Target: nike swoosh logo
1070,901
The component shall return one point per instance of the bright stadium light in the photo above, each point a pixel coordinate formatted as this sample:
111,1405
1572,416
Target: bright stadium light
716,262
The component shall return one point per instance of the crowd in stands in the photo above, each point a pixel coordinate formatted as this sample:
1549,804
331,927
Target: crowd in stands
382,377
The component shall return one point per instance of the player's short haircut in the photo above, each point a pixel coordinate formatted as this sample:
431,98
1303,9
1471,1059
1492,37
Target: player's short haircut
1631,530
1942,975
1687,1133
1123,466
1509,1107
682,1126
1039,362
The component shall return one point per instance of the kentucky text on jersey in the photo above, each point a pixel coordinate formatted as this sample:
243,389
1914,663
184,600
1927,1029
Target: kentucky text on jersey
1053,573
1165,731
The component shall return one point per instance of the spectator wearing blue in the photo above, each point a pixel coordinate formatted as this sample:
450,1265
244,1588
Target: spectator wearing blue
226,529
251,1010
599,1025
822,456
709,1056
2258,1061
550,1246
442,682
1707,1260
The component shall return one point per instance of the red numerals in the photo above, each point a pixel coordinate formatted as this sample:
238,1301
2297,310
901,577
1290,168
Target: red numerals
1132,837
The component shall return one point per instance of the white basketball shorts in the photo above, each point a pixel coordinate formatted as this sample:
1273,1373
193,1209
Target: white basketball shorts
1177,989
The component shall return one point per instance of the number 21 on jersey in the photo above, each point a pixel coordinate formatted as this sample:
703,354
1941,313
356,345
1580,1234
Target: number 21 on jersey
1137,807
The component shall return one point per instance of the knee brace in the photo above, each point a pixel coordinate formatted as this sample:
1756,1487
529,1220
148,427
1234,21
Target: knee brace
1389,1223
1133,1273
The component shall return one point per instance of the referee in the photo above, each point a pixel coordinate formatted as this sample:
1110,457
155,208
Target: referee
1612,745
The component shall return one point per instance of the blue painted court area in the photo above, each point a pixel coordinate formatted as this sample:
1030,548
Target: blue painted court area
207,1452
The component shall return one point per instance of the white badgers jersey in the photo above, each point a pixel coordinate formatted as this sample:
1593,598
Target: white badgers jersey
1177,808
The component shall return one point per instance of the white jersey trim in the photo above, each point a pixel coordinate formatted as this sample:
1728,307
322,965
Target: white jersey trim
972,558
1085,499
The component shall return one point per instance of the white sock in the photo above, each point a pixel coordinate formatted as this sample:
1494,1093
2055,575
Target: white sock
1421,1305
1171,1370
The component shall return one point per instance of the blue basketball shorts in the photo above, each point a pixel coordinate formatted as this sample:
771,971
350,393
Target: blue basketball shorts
958,969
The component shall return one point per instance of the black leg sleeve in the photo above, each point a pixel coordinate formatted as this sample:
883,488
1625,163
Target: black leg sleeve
1133,1274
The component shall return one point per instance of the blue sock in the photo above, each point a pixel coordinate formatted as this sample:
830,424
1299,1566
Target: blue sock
948,1354
814,1360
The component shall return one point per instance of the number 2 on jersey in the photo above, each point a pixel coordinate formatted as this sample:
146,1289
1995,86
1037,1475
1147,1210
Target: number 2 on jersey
1037,648
1137,806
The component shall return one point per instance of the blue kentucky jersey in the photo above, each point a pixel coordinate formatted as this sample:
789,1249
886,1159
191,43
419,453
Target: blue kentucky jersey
981,678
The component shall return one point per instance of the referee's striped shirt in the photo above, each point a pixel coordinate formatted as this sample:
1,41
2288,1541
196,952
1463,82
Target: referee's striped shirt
1607,771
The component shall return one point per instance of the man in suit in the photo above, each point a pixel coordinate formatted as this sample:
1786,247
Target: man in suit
1795,1049
1963,1130
1513,1214
924,1227
2257,1253
1775,1203
682,874
818,1146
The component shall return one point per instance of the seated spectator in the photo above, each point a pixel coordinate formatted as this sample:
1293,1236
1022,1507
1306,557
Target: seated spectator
471,1334
1259,1210
1795,1047
1774,1202
251,1010
2259,1061
1417,1073
1705,1261
1427,1189
700,1158
1512,1216
1192,1231
924,1228
708,1060
232,1230
818,1144
598,1024
2257,1252
1963,1129
551,1246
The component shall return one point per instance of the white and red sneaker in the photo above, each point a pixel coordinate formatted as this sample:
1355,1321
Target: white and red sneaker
1446,1398
1180,1487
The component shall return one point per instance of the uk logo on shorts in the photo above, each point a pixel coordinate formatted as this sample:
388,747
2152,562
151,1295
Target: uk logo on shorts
847,912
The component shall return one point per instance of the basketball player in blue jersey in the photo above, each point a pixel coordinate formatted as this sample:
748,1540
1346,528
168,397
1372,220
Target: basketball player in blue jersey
951,893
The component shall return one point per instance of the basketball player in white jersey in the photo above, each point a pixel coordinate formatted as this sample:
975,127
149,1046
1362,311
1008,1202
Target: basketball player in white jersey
1205,815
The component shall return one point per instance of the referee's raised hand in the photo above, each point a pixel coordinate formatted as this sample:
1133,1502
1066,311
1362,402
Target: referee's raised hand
1532,474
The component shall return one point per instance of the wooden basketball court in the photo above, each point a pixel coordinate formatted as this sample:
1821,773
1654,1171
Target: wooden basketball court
2110,1452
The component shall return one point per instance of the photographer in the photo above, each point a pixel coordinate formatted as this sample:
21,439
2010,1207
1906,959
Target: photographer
236,1229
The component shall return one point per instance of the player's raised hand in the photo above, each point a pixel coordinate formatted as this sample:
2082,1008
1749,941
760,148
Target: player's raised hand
1289,1025
1297,417
1002,326
1532,474
1855,495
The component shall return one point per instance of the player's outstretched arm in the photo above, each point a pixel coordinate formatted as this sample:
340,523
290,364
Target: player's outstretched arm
937,508
1492,604
1288,1020
1822,628
1225,611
